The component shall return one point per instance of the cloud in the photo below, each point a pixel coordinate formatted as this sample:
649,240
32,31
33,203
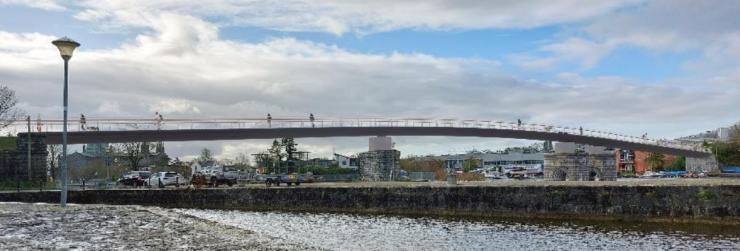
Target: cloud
360,17
52,5
181,67
658,26
171,106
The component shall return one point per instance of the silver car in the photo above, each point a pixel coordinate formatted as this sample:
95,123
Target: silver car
163,179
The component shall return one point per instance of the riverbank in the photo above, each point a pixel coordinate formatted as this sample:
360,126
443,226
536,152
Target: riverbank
26,226
715,203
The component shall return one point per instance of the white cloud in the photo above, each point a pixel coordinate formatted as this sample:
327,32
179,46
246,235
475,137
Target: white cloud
177,106
181,67
361,17
659,26
53,5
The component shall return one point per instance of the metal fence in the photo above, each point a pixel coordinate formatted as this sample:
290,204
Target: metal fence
126,124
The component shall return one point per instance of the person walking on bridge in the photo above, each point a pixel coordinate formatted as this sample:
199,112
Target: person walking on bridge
83,121
269,121
310,117
580,128
158,120
519,122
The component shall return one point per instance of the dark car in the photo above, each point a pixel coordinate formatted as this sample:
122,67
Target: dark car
134,178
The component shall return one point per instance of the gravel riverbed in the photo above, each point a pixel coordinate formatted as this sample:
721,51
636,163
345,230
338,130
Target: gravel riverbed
25,226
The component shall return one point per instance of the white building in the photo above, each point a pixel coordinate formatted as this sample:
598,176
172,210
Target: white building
345,161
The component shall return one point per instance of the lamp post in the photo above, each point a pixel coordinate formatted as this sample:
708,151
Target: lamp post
66,47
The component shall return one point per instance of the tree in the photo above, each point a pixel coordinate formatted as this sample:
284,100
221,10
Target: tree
8,112
655,161
205,156
242,161
735,135
470,164
132,153
290,147
54,153
678,165
276,153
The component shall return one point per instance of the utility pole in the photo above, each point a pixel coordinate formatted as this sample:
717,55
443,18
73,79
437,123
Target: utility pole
28,119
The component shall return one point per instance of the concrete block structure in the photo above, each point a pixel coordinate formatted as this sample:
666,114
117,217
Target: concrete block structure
596,163
699,165
380,143
380,165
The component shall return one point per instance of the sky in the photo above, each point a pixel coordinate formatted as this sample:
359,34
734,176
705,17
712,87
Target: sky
666,68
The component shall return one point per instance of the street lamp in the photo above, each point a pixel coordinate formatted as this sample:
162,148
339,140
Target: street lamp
66,47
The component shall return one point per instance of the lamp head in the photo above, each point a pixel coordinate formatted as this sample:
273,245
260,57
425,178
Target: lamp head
66,47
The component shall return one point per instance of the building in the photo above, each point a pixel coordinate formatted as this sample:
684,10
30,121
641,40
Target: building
568,163
625,161
345,161
381,163
721,134
497,162
380,143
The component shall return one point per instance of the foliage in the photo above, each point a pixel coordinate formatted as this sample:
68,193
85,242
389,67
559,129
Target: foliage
728,154
8,112
678,165
290,147
470,164
431,165
132,153
705,196
470,177
54,152
7,143
320,170
655,161
628,174
276,151
26,185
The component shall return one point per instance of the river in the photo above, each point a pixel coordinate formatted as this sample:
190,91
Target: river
383,232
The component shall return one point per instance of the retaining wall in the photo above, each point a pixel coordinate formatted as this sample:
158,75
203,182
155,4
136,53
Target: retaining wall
719,204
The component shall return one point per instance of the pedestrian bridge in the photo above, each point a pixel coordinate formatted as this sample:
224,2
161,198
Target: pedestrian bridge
100,130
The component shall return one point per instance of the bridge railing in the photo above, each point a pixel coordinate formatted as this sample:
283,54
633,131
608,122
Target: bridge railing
110,124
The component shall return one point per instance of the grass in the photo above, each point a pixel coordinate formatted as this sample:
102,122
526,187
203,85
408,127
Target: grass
25,185
7,143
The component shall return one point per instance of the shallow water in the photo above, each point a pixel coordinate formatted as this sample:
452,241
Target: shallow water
380,232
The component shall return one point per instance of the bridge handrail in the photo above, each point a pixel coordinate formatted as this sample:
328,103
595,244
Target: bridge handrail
118,124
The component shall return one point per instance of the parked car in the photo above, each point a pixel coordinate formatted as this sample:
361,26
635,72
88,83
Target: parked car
163,179
288,179
214,178
134,178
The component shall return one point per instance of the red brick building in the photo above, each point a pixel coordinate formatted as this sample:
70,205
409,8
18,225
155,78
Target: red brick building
636,161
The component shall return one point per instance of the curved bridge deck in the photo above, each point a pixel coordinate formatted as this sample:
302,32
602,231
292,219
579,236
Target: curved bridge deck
131,130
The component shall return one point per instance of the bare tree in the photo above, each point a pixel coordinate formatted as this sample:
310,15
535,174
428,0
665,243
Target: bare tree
54,152
205,156
132,152
8,112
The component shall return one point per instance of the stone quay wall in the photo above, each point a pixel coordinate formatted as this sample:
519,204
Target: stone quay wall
712,204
